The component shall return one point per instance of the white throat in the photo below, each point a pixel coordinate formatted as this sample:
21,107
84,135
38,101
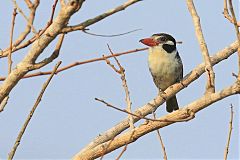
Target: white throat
158,59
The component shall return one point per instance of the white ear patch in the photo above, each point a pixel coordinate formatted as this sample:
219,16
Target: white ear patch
169,42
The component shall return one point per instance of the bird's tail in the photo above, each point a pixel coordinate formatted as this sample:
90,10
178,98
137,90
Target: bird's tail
172,104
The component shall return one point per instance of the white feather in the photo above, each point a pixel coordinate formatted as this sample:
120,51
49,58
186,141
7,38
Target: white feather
163,65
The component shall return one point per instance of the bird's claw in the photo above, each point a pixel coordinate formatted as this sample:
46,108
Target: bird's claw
162,94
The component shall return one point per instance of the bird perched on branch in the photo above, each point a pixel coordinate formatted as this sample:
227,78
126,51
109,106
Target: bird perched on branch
164,64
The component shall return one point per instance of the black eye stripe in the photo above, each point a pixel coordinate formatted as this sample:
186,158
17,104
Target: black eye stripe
162,39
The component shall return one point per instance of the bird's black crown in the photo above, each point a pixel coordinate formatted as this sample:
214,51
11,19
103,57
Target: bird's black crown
166,36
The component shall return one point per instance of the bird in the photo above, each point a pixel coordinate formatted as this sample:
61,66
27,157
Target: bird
165,64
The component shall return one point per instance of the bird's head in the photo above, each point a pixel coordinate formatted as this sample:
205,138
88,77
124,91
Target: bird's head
166,41
159,39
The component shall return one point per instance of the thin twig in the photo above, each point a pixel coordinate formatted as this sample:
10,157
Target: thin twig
126,145
3,103
23,129
161,141
121,153
210,86
121,71
35,37
23,35
226,13
80,63
229,134
237,33
142,117
19,45
29,3
112,35
53,56
25,17
91,21
50,21
105,149
11,41
53,11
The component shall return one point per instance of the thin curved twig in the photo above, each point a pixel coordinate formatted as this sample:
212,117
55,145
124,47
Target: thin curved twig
112,35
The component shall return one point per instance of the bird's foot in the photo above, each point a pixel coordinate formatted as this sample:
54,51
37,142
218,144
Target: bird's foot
184,86
162,94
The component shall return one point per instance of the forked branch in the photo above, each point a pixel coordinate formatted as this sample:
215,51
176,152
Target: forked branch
227,15
210,86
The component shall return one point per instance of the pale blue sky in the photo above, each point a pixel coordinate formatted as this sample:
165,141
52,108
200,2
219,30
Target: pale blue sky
68,118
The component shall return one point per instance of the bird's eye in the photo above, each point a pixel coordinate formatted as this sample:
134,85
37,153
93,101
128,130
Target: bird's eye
162,39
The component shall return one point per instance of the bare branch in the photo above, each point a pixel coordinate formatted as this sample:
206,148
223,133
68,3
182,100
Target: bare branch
161,141
38,46
53,11
128,137
124,149
226,13
23,129
53,56
111,65
80,63
16,45
237,33
210,86
48,23
121,71
157,101
103,153
25,17
140,116
23,35
11,41
29,3
229,134
91,21
4,103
